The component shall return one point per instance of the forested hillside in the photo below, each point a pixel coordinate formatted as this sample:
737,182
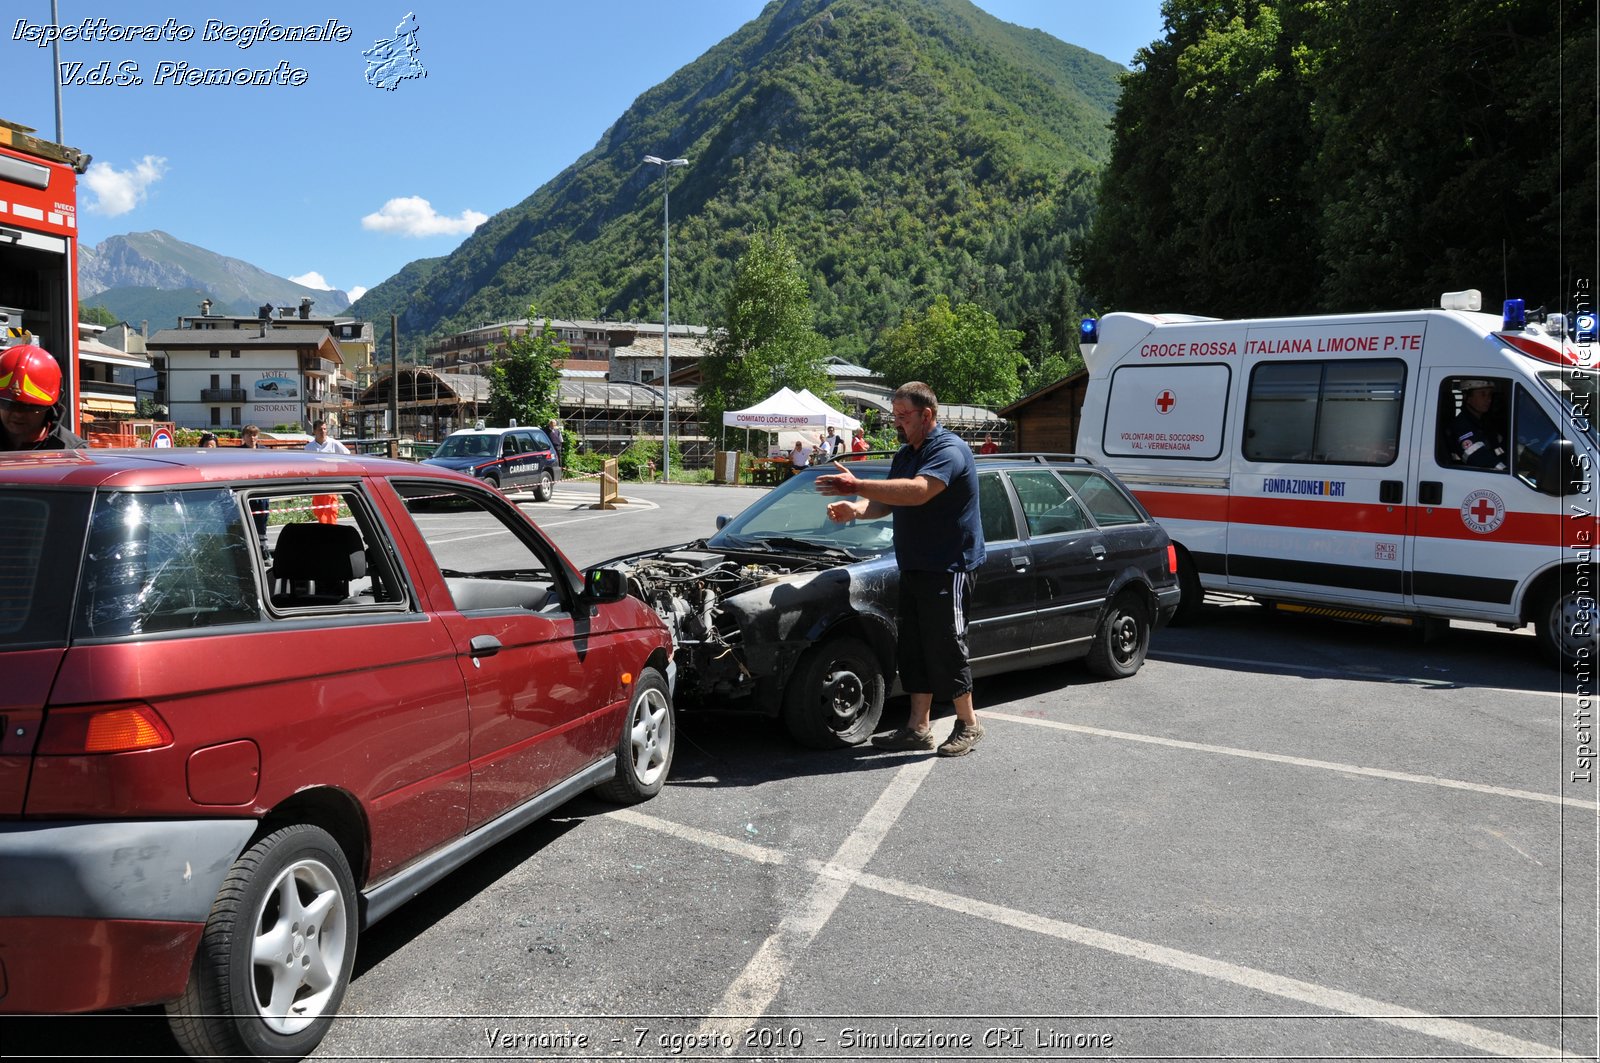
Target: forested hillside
1301,156
907,148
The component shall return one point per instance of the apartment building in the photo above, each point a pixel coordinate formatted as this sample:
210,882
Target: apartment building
281,367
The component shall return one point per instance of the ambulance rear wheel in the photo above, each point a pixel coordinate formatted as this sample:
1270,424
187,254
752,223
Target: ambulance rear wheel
1566,626
1192,595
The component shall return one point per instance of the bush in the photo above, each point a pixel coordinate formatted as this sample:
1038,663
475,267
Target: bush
587,461
632,463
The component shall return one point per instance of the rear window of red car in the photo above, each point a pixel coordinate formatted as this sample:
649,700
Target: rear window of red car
41,538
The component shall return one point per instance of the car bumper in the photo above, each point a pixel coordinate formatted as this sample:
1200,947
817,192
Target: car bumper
747,678
58,966
1166,605
108,913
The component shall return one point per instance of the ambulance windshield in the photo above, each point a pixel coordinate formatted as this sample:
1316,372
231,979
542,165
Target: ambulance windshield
1579,392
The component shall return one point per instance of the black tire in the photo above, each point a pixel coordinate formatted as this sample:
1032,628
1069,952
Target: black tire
1122,639
493,480
835,696
291,893
544,487
1566,627
1193,595
649,737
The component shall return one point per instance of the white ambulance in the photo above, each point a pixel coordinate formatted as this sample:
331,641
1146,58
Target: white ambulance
1421,464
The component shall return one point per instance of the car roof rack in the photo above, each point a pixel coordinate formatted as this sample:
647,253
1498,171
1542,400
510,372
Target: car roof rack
1037,457
1040,458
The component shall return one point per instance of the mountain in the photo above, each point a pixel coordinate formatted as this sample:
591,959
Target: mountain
909,148
155,276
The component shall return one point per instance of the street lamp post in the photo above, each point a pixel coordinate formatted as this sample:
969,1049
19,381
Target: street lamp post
666,312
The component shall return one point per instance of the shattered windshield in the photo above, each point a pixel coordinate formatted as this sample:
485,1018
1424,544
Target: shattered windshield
164,561
1578,390
794,517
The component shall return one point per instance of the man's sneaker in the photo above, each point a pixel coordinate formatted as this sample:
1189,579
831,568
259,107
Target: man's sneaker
961,740
904,738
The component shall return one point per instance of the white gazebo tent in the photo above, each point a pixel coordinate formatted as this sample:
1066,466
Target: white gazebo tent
786,411
833,418
783,409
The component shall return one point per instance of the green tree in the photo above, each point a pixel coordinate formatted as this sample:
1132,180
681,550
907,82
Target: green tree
98,315
1053,368
1462,186
764,339
1207,204
961,352
524,378
1285,156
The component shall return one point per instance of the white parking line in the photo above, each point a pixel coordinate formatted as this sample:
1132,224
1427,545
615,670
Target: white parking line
595,516
1302,762
1350,673
1337,1000
755,989
758,984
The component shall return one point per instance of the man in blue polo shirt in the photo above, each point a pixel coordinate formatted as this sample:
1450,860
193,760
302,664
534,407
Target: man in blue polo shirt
932,494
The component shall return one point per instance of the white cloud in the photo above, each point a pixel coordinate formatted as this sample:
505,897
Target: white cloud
415,216
119,191
313,280
355,293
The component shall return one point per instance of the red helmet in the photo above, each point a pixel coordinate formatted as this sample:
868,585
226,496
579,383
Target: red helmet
28,374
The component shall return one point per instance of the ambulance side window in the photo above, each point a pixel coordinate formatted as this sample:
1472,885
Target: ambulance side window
1280,419
1359,419
1329,413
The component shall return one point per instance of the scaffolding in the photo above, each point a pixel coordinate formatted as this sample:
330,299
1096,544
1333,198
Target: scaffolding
602,416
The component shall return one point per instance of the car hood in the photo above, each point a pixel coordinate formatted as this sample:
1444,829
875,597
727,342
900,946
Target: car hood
458,463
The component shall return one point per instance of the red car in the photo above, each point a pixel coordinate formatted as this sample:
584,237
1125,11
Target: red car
254,701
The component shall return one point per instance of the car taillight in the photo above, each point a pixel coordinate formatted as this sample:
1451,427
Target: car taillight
1172,559
103,729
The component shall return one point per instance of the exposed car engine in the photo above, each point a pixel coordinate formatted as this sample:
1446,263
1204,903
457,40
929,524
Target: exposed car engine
684,587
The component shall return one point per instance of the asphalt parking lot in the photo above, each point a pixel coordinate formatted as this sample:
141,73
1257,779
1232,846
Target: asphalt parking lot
1283,838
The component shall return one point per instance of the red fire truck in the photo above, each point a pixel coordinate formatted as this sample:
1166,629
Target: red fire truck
39,250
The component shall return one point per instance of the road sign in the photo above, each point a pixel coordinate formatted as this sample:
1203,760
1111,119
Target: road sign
161,438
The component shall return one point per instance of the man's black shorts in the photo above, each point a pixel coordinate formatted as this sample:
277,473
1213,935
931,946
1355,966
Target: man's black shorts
933,633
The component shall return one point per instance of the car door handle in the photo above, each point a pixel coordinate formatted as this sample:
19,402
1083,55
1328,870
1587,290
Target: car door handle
1430,492
1098,550
484,646
1020,562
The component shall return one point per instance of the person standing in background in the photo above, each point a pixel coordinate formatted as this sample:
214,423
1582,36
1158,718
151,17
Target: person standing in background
323,443
557,441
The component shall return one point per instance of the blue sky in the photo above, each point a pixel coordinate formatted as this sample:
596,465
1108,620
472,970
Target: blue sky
326,179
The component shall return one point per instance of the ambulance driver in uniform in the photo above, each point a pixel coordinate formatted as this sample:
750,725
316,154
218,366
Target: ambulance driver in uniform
1476,441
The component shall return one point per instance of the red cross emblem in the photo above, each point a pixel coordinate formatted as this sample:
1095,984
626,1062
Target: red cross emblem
1483,512
1166,401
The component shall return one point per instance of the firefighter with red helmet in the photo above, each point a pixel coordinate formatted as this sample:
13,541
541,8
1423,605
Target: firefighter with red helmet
30,401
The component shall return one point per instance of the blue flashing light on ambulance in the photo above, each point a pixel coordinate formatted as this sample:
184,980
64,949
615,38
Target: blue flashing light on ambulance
1414,465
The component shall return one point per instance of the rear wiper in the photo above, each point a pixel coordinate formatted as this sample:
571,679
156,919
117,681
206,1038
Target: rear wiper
807,546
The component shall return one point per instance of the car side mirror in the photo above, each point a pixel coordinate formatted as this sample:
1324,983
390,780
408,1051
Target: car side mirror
602,585
722,521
